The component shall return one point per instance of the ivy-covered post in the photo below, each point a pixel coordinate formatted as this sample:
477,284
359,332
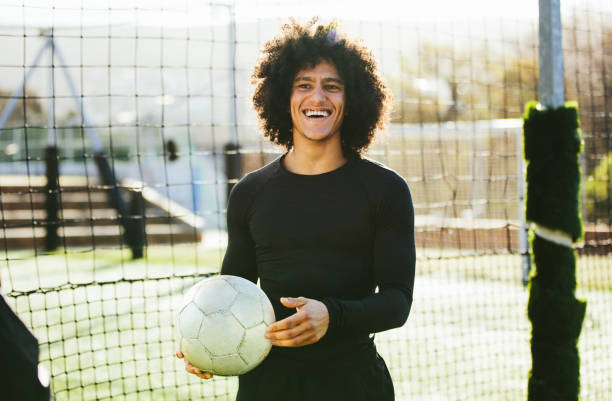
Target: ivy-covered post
552,145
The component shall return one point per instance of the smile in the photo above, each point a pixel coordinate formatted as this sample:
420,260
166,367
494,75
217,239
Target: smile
317,113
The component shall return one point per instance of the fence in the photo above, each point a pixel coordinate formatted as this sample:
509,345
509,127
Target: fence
162,90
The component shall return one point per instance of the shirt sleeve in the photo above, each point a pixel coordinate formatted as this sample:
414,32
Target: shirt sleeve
239,259
393,267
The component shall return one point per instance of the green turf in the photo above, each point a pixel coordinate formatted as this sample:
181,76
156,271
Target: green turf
467,337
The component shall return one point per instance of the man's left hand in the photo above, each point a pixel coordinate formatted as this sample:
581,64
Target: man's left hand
306,326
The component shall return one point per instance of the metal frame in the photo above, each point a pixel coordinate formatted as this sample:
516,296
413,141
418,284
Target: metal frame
131,218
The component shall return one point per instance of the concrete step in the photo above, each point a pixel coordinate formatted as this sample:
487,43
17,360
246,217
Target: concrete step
18,182
75,217
68,200
86,217
24,238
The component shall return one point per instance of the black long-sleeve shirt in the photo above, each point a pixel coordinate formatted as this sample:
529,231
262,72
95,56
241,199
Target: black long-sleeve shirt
334,237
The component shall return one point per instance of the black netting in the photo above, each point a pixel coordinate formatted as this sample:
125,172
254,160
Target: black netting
143,111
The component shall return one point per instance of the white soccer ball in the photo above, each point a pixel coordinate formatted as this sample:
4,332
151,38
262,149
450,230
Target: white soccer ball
221,325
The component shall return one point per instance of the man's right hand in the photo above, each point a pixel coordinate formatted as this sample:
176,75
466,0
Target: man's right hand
192,369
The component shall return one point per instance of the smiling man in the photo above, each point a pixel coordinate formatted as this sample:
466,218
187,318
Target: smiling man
328,233
317,103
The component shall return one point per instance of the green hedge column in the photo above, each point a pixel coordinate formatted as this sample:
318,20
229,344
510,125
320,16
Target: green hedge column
552,147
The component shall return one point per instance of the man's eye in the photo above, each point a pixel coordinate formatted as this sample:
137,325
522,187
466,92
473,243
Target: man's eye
304,86
332,87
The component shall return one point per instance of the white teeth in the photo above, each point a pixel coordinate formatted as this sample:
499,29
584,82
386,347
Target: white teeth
322,113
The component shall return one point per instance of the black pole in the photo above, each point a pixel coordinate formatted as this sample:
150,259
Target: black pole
233,164
137,233
52,205
130,231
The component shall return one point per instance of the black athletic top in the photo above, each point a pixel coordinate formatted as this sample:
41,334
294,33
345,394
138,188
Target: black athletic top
333,237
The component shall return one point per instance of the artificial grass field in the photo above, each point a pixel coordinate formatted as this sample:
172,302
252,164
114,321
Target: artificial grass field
104,323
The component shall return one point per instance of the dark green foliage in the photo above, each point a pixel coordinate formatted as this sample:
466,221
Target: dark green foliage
552,146
598,191
558,313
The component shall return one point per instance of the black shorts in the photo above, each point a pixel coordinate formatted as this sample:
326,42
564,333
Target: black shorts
360,376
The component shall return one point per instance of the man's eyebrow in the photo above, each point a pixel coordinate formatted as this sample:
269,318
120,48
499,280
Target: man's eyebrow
336,80
311,79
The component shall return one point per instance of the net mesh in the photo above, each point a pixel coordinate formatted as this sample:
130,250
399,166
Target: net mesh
159,91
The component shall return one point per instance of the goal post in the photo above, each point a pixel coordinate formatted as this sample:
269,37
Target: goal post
552,144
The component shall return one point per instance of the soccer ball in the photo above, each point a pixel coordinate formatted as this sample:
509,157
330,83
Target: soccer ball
221,325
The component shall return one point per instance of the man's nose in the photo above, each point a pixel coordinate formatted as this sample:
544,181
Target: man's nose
318,93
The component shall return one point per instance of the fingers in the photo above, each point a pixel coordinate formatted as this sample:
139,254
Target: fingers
288,322
304,327
198,372
305,338
293,302
192,369
292,332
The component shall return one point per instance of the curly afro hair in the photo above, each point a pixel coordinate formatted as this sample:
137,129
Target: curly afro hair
304,46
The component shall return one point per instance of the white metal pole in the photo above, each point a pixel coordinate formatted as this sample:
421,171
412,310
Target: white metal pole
232,47
523,229
51,113
231,10
551,87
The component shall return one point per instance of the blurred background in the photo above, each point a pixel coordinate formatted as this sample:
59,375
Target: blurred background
146,107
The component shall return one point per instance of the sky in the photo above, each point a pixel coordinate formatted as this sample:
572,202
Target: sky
195,12
393,9
258,20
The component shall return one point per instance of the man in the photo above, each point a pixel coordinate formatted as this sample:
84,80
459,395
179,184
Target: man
21,377
321,227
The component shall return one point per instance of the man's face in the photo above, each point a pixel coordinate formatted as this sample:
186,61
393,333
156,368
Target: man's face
317,103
